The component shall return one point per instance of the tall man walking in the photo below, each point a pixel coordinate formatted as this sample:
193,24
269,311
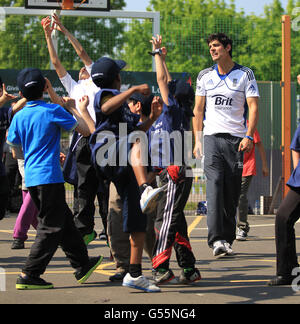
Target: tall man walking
224,95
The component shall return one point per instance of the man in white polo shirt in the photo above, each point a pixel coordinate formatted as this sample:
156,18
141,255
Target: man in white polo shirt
225,94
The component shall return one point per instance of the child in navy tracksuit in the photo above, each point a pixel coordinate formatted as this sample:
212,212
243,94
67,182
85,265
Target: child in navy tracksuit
110,149
170,224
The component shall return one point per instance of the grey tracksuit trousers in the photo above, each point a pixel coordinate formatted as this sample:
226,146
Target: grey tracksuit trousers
223,167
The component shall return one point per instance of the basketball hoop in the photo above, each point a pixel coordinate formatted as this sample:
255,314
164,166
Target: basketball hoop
69,4
87,5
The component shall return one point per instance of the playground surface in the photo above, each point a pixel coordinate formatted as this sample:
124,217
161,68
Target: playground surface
240,279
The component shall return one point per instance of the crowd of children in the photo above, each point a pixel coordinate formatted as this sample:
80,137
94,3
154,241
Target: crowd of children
94,108
117,150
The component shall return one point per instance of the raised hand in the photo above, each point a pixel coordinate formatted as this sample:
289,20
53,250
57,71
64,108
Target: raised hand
69,103
46,23
5,97
83,103
57,24
156,42
143,89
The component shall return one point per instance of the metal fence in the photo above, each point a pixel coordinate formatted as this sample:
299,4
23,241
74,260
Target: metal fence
121,35
269,128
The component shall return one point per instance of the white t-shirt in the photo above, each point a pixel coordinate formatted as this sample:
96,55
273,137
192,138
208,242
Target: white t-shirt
226,106
77,90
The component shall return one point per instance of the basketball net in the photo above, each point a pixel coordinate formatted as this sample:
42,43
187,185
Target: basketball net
69,4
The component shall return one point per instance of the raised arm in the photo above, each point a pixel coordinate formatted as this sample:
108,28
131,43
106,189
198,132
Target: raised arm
54,97
82,127
5,96
60,70
116,102
161,75
83,103
72,39
17,106
164,56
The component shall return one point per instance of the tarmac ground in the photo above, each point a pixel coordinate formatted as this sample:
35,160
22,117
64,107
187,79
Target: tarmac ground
240,279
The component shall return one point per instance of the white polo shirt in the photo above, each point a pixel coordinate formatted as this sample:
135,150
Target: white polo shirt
77,90
226,106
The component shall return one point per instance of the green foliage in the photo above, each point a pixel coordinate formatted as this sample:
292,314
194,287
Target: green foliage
22,44
185,25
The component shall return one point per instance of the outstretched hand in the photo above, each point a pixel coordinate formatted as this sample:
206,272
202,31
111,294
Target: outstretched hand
69,104
156,42
49,24
143,89
6,96
83,103
57,24
46,23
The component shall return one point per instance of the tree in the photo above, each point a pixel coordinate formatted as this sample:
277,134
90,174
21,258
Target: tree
22,44
185,26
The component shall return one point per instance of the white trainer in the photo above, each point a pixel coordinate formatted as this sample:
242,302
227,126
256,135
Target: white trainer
219,249
241,235
150,197
140,282
229,250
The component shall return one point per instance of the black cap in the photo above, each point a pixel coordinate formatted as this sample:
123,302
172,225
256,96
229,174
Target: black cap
31,83
181,90
105,70
145,102
184,93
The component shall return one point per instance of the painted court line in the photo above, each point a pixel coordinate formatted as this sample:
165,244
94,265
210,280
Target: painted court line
194,224
107,269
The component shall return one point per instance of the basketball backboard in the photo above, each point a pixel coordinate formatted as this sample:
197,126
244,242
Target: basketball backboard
99,5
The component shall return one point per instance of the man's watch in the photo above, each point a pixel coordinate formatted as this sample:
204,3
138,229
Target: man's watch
156,51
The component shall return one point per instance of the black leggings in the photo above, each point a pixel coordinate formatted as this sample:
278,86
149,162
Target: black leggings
287,215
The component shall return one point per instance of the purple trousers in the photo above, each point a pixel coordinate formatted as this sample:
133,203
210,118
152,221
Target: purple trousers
27,216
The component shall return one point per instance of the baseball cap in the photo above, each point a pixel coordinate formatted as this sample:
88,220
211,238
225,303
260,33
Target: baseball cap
31,83
184,93
145,102
181,90
105,70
